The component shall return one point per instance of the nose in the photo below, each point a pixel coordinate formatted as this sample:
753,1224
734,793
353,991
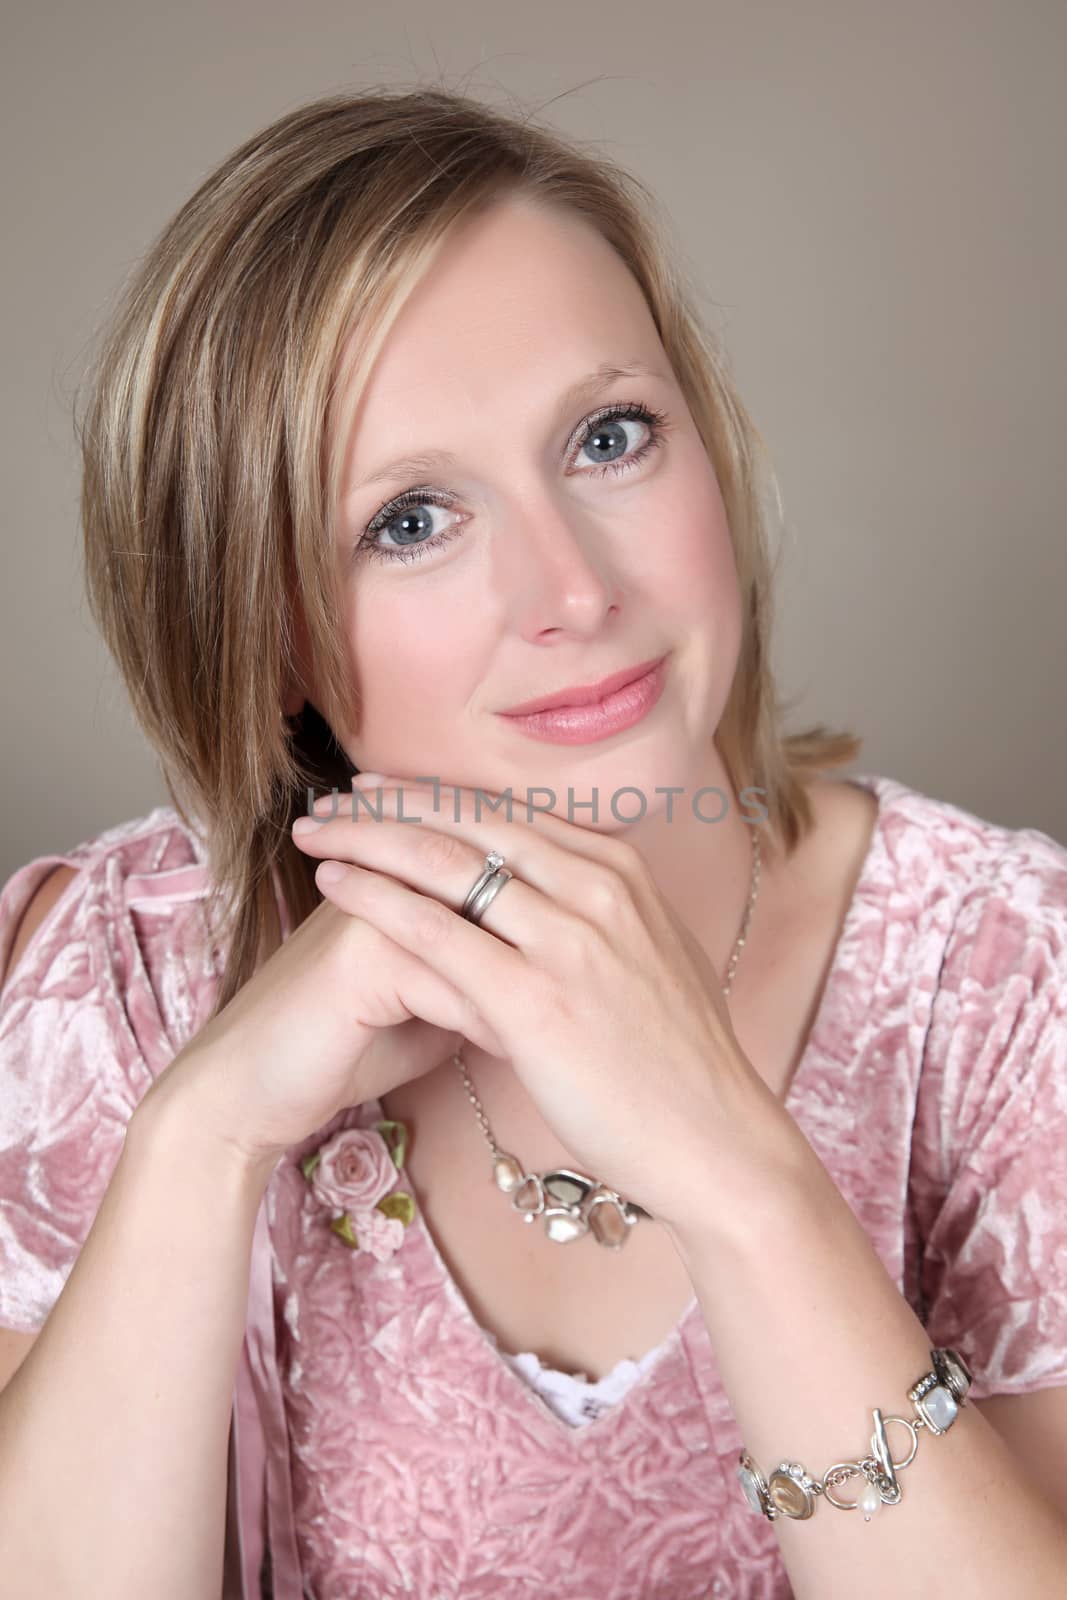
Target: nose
558,571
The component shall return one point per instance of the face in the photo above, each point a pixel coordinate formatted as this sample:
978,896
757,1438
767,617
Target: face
567,539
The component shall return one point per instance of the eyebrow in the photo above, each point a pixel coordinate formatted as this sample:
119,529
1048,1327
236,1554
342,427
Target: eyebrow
425,462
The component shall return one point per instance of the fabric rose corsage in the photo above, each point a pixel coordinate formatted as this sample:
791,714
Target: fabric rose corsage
352,1174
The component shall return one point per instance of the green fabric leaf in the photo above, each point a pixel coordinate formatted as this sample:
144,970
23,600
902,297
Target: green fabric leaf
395,1135
309,1163
400,1204
342,1226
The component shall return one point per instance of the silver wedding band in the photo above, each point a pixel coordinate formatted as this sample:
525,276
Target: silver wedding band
486,887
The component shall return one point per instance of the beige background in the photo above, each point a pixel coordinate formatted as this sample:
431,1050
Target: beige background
872,196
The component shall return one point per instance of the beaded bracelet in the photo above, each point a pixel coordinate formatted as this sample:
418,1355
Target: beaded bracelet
792,1492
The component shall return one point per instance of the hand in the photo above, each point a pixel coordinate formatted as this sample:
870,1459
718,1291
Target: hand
603,1002
337,1015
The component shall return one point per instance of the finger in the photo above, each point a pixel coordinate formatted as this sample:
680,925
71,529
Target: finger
565,863
493,974
390,986
409,989
408,801
433,863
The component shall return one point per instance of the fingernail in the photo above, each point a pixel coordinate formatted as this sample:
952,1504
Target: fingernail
330,872
303,824
362,779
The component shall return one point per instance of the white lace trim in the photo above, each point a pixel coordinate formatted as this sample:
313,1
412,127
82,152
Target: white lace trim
576,1399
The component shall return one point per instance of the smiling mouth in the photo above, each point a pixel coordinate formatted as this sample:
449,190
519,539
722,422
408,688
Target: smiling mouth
585,695
602,719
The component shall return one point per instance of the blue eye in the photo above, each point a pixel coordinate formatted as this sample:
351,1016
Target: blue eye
415,525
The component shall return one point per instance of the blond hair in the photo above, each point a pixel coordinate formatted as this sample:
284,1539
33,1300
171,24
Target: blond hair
210,482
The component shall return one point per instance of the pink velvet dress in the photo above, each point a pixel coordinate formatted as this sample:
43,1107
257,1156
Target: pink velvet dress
381,1444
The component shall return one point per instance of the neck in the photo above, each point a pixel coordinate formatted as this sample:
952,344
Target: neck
703,867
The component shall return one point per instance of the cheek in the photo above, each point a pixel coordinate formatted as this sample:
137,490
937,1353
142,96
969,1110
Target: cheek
694,568
413,659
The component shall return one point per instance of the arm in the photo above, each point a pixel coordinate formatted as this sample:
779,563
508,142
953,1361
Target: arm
114,1431
812,1335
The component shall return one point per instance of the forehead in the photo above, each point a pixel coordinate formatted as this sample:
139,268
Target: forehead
520,302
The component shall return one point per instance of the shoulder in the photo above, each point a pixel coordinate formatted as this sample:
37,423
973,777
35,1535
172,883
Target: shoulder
60,907
38,908
1007,888
999,892
966,920
977,917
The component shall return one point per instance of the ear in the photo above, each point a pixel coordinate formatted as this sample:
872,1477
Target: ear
295,700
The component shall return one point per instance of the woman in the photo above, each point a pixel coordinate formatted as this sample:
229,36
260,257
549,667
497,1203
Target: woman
409,404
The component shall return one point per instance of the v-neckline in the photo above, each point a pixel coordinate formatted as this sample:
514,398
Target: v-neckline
814,1051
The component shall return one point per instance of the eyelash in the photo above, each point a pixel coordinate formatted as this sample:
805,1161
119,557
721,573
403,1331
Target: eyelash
656,422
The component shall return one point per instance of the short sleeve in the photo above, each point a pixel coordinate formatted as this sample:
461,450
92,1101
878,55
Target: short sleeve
71,1075
989,1181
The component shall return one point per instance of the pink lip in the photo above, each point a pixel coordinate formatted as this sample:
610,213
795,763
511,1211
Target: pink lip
584,694
582,724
